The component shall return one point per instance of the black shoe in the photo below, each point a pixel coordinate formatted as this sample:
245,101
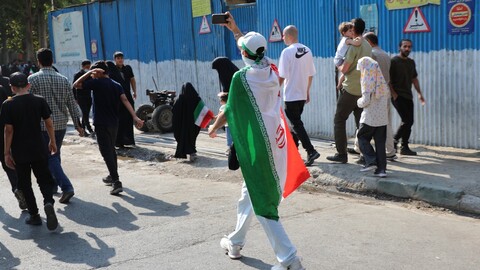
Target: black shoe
34,220
116,188
352,151
361,161
395,145
311,157
52,221
21,199
407,152
108,180
66,196
342,158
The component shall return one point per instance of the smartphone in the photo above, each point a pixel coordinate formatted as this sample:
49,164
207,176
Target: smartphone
219,18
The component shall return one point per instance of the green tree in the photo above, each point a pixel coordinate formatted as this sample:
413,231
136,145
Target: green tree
23,26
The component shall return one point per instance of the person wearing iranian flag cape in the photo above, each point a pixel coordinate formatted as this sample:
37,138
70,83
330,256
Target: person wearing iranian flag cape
269,160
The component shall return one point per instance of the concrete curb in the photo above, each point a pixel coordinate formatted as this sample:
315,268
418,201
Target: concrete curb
450,198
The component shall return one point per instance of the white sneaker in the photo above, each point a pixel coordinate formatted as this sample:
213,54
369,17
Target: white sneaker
192,157
295,265
233,251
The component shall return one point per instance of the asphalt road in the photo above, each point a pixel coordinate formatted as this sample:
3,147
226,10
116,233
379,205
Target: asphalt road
175,219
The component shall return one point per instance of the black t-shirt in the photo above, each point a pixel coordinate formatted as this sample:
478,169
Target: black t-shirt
106,100
25,113
84,92
123,76
402,73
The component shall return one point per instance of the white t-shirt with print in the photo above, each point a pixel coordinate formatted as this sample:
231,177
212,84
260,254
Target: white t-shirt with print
295,66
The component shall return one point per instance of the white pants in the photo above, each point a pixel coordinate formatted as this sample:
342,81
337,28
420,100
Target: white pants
283,248
390,150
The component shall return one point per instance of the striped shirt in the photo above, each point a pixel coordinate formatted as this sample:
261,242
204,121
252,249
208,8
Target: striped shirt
56,90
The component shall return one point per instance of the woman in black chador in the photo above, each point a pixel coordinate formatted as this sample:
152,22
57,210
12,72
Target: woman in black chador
184,129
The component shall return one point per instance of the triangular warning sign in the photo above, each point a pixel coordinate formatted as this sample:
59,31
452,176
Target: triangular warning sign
204,27
275,33
416,22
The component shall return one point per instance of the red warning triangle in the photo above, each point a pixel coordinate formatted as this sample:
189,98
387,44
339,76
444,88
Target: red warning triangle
204,27
416,22
275,33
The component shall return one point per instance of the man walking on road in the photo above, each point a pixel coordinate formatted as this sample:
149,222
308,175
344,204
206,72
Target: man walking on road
350,93
264,149
25,149
57,91
108,97
296,69
402,75
84,98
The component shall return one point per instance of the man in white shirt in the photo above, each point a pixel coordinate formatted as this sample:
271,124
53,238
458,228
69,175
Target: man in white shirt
296,69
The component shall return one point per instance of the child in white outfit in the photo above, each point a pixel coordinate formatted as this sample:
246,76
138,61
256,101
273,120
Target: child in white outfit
346,30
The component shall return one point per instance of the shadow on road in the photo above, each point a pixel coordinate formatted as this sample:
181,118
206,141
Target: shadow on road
157,207
255,263
7,260
65,247
98,216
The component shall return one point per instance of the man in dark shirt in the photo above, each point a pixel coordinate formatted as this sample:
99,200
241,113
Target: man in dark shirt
402,75
107,98
25,149
123,74
6,92
84,98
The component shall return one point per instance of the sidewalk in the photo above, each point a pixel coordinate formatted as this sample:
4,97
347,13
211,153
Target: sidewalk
442,176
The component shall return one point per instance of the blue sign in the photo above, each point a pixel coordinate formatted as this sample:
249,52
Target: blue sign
460,16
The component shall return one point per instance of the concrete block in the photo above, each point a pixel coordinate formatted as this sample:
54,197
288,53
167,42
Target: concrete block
370,183
438,195
470,204
397,188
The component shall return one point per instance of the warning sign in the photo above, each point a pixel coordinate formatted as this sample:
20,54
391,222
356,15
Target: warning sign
204,27
416,22
460,19
275,33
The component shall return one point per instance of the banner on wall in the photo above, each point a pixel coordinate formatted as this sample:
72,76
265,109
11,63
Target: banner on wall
460,16
201,8
369,13
68,37
402,4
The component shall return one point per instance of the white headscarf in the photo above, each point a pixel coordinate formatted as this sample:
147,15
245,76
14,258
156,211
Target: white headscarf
371,77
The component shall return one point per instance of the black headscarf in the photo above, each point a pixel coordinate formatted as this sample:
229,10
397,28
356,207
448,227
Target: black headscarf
184,129
225,69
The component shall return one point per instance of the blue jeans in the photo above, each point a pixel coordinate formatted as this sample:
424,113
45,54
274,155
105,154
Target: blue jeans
229,137
55,161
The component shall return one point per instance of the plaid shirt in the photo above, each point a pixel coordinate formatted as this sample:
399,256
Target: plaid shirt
56,90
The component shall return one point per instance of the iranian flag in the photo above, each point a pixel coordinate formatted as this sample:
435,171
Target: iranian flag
270,162
202,115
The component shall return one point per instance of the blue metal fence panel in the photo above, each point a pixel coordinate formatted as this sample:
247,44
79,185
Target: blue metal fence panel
182,30
94,22
146,41
163,28
110,30
313,19
128,28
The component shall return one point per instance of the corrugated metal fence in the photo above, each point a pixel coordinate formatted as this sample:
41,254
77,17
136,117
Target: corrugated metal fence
161,42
